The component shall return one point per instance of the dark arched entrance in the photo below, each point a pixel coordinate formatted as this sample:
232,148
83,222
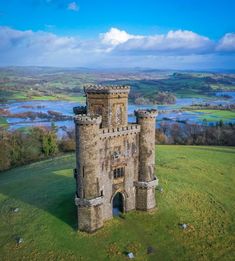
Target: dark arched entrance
117,204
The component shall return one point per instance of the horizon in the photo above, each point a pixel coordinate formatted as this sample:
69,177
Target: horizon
120,69
197,36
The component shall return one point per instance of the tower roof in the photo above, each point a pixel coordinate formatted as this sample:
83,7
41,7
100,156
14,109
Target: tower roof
106,89
149,113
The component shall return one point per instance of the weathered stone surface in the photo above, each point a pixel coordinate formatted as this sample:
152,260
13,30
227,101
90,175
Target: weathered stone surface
107,144
83,202
90,218
149,184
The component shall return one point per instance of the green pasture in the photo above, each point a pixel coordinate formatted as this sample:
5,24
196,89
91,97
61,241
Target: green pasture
3,122
199,189
217,115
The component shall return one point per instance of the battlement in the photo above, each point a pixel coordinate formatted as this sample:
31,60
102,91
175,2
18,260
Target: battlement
111,89
146,113
83,119
112,132
80,110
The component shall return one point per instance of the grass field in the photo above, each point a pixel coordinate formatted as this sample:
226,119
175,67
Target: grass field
60,97
213,115
12,95
43,98
199,189
3,122
18,95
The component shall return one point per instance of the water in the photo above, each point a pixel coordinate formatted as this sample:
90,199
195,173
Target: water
170,114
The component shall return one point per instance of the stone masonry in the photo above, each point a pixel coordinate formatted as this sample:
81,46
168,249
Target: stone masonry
112,156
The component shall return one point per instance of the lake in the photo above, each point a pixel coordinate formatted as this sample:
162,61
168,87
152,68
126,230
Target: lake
171,113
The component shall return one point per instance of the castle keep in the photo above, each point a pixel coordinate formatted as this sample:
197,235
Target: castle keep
115,160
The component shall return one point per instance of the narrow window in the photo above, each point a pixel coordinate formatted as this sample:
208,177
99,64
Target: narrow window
83,171
118,173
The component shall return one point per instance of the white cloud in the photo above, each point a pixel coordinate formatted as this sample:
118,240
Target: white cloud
227,43
73,6
174,41
11,38
115,48
115,37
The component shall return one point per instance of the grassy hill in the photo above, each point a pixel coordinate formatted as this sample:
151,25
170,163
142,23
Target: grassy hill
198,187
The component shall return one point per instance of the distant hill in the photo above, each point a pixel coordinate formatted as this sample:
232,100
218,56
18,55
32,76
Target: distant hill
65,83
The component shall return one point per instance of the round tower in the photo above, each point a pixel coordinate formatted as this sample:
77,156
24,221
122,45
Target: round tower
145,187
88,198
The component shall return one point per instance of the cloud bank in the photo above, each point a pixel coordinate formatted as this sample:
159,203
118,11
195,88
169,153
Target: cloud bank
180,49
173,42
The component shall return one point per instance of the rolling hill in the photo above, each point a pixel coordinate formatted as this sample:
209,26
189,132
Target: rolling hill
37,208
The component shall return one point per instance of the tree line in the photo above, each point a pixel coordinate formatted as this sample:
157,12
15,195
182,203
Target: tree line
37,143
194,134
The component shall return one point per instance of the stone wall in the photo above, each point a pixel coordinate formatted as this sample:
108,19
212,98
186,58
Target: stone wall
119,149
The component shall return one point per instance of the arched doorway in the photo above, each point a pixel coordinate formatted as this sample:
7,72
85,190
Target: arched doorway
118,204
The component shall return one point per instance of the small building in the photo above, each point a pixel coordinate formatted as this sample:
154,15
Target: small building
115,160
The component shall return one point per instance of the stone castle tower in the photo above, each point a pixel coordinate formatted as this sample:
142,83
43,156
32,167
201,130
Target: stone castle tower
115,160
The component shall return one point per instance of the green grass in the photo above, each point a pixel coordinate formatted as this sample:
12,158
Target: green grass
15,95
217,115
44,98
191,94
12,95
75,98
199,189
223,87
3,122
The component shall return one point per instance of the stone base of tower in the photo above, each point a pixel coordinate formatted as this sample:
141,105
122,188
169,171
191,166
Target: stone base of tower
90,214
145,195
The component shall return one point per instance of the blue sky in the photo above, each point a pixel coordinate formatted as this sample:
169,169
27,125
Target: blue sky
180,34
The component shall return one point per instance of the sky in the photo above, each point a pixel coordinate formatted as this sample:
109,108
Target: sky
161,34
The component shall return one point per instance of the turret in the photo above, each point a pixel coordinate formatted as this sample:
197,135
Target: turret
145,197
88,195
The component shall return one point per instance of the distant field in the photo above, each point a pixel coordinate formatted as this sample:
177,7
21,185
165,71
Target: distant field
18,95
44,98
217,115
3,122
12,95
199,189
62,83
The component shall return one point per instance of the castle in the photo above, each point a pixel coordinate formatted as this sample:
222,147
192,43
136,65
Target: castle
115,160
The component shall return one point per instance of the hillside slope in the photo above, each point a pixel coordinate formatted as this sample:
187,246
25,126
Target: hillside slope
199,189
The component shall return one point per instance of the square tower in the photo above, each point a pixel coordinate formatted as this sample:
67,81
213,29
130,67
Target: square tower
110,102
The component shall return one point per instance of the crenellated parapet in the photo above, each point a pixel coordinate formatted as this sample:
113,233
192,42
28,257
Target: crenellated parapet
85,119
149,113
119,131
80,110
111,89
